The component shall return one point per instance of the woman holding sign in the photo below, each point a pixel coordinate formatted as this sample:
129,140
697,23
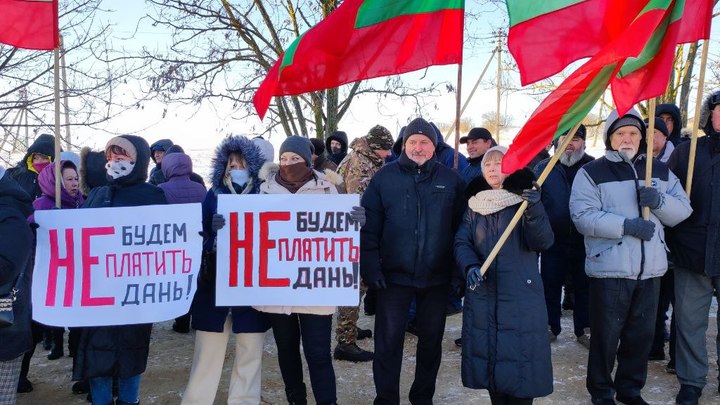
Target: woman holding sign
311,324
236,165
120,351
506,348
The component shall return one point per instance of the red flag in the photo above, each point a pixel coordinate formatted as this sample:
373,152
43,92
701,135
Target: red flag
31,24
364,39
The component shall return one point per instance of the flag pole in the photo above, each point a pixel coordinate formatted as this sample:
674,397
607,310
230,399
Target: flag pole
472,93
58,176
68,138
698,106
457,116
518,215
649,139
499,85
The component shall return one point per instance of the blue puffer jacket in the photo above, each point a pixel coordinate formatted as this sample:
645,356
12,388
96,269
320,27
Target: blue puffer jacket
506,347
15,251
206,316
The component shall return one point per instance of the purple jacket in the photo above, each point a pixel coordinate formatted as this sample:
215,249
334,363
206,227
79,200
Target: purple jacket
179,189
46,180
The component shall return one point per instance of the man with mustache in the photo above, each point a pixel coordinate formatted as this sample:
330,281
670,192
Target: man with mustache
567,254
625,255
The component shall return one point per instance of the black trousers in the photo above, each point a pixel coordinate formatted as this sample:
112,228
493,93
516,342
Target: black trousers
622,321
503,399
390,321
557,264
667,297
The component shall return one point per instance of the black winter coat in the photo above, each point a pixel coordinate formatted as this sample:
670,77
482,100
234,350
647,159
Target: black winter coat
506,348
122,350
412,215
15,250
695,242
26,178
556,200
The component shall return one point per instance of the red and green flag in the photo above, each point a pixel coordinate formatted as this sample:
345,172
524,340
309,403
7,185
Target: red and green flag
30,24
363,39
567,105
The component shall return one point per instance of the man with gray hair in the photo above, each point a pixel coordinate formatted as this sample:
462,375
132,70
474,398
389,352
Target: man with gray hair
625,255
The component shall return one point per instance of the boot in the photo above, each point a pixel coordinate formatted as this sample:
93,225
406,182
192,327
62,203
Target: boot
182,324
57,344
351,352
363,334
81,387
297,397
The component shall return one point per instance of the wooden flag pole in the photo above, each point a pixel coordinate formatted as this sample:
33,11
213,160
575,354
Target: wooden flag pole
472,93
649,139
58,176
518,215
457,116
698,106
68,138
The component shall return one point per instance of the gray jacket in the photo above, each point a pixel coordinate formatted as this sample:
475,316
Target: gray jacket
603,195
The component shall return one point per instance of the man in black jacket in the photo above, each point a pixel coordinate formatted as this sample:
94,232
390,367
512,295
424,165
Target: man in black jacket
567,254
413,206
695,244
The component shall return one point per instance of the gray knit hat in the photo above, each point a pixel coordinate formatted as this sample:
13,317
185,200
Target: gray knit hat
298,145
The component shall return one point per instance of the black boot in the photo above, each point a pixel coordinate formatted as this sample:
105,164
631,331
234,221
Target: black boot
298,396
182,324
351,352
24,385
57,344
119,402
363,334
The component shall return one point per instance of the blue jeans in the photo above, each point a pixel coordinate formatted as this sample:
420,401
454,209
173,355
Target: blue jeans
693,296
101,390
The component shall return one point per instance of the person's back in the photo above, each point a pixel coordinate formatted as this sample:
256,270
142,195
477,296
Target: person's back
178,187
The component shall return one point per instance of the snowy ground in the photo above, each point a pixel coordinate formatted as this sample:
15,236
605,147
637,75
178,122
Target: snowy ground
171,356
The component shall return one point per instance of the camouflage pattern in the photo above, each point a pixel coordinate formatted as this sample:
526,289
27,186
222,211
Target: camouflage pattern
346,329
359,166
379,138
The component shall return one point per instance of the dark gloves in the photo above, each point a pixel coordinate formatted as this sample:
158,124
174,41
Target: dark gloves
639,228
358,215
379,284
532,195
217,222
650,197
474,277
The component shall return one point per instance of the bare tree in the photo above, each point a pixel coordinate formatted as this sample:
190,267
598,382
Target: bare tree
27,82
488,121
222,51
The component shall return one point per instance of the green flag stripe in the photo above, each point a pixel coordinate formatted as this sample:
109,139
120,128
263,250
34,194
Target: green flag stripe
373,12
523,10
586,101
290,53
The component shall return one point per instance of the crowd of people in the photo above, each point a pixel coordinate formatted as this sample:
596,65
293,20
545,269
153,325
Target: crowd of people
429,219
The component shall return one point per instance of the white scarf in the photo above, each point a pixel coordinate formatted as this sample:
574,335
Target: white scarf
491,201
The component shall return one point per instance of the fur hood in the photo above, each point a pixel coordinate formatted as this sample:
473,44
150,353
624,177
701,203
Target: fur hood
704,122
514,183
245,147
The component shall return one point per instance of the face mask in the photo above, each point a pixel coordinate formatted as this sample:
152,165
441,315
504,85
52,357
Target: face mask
40,166
119,169
240,176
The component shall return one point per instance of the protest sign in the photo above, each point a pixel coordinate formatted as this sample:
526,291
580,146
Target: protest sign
288,249
116,266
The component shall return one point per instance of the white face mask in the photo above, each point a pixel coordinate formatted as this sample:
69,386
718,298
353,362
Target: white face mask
240,176
119,169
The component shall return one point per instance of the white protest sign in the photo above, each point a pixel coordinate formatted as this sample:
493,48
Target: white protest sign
116,266
288,249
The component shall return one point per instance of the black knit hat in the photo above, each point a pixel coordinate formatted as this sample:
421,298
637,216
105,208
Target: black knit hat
659,125
319,146
298,145
419,126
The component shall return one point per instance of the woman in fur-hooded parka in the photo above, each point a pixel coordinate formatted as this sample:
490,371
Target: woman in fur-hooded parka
506,348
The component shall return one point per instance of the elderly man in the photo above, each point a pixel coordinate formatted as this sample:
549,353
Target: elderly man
625,255
696,252
566,257
359,166
413,206
478,141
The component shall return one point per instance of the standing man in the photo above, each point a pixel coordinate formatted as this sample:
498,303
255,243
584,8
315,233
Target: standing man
359,166
478,141
413,206
625,255
319,161
695,244
336,146
157,153
670,114
566,257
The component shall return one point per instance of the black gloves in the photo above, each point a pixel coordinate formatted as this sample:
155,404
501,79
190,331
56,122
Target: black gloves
650,197
379,284
474,277
217,222
532,195
358,215
639,228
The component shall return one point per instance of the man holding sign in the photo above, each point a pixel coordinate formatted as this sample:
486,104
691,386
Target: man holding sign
414,206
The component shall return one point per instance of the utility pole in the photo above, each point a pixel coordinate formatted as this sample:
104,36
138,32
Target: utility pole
500,34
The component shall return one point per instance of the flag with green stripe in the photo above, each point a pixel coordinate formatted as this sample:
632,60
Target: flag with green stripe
363,39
